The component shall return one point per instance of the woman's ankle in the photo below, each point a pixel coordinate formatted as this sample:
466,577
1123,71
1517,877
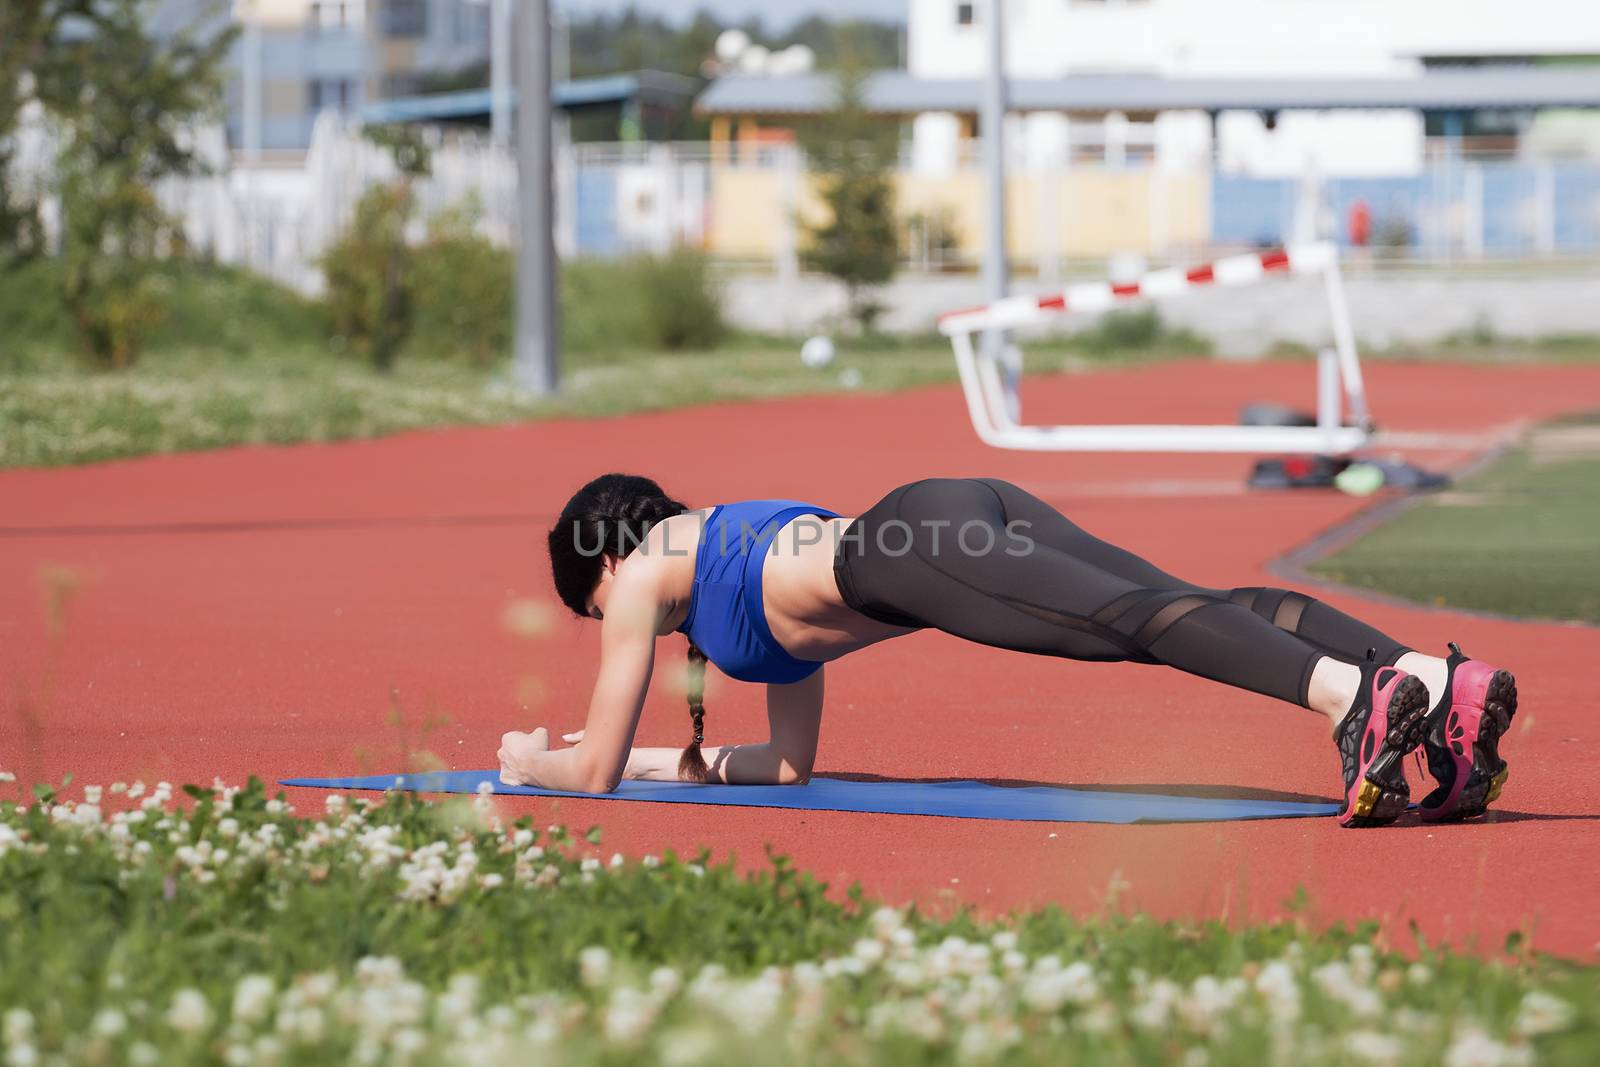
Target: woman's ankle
1433,671
1333,689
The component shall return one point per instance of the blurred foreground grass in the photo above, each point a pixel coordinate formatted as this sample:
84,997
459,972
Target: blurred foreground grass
1518,538
234,931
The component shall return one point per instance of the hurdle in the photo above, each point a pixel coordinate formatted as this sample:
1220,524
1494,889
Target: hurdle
1343,422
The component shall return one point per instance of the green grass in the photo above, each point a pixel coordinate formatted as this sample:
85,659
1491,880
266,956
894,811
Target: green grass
405,932
239,360
1519,538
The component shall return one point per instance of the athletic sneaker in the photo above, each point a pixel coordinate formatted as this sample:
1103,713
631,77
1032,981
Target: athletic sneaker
1384,724
1462,738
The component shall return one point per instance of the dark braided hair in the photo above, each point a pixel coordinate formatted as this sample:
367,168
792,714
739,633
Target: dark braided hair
612,515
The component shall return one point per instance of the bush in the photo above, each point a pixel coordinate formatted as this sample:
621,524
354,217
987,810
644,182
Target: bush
464,293
1137,330
682,308
369,277
643,302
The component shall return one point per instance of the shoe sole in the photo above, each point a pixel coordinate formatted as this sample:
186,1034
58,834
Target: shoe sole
1480,772
1380,795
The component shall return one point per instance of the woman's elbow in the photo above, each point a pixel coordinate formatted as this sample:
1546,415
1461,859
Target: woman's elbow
790,775
604,783
600,779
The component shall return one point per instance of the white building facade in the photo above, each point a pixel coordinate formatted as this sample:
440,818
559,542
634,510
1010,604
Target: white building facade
1232,39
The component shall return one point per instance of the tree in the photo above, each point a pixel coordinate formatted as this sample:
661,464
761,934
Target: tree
370,270
853,154
125,106
25,26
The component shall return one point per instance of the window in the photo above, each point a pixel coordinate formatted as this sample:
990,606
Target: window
405,18
964,14
332,94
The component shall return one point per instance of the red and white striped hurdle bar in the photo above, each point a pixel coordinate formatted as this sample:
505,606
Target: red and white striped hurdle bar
994,401
1098,296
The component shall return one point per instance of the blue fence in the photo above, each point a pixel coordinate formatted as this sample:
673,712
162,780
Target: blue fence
1498,209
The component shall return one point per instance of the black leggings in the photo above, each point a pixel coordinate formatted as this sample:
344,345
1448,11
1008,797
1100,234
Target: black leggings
986,561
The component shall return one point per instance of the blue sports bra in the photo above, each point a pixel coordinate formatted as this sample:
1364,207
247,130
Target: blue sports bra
726,616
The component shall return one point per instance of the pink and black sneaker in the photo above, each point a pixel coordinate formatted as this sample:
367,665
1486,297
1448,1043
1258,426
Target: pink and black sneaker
1383,725
1462,738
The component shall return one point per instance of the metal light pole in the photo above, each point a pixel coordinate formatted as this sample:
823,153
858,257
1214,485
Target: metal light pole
993,121
537,351
500,31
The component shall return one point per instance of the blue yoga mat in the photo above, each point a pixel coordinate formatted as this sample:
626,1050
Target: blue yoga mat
958,800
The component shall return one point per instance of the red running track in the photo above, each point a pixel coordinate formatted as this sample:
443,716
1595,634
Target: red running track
252,610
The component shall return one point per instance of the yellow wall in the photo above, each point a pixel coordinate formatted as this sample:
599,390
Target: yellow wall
1097,212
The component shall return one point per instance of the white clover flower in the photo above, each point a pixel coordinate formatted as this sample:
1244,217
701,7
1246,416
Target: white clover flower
522,838
22,1055
980,1043
189,1013
1419,974
118,788
1004,940
136,790
1373,1047
276,807
689,1047
334,804
650,861
252,998
885,921
696,870
491,880
665,981
1098,1018
1542,1013
237,1055
868,951
143,1054
807,976
616,860
1047,989
628,1015
17,1026
268,1049
109,1022
1156,1005
1208,1001
409,1041
7,777
751,1006
594,966
1474,1048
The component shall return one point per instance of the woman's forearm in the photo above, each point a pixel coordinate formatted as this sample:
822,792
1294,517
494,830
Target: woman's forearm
563,769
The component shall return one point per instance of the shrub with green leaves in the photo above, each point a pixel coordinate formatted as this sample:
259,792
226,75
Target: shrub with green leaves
1137,330
369,276
464,286
641,303
233,930
680,302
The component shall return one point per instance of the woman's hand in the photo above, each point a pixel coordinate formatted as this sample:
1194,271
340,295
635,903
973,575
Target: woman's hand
519,752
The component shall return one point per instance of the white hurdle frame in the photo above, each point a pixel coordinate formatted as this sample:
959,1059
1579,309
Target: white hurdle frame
990,400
